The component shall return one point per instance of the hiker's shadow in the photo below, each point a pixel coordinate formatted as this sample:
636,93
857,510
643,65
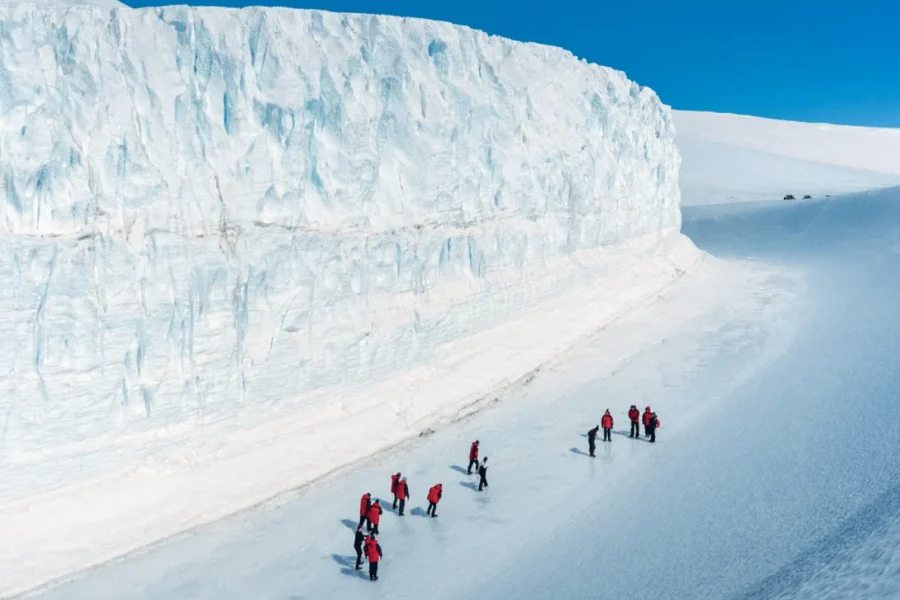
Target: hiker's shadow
458,469
350,524
348,566
418,512
624,433
469,484
578,451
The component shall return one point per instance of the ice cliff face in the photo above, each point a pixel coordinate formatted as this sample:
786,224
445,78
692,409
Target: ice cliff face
208,209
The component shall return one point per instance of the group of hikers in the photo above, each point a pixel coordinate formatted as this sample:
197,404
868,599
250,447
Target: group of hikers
366,543
649,418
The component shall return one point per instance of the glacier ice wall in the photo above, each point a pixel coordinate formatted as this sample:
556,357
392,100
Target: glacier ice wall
205,210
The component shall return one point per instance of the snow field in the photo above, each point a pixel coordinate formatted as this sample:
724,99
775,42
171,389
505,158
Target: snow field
736,158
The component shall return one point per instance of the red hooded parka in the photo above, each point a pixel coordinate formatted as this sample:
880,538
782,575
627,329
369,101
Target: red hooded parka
434,494
634,414
375,513
372,550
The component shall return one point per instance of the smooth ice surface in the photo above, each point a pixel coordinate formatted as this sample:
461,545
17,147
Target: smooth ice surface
243,248
714,323
736,158
774,374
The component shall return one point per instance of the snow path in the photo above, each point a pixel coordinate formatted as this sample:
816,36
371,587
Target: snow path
772,477
655,353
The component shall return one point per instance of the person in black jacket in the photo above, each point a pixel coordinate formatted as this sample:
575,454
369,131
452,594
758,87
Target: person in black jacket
651,427
592,439
482,472
358,546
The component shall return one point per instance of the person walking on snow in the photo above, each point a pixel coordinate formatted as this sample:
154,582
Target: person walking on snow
358,546
482,472
473,457
635,415
434,496
652,427
402,494
592,439
365,504
395,481
647,414
374,554
607,422
374,516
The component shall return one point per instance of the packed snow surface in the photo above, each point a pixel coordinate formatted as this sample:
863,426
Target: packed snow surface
773,369
736,158
242,248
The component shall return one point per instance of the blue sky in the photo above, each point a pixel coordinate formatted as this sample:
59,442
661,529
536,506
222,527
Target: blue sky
824,60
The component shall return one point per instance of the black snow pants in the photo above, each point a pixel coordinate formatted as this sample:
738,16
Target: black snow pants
363,520
394,505
358,557
432,509
591,446
373,528
474,461
373,571
635,430
402,506
607,436
652,434
482,483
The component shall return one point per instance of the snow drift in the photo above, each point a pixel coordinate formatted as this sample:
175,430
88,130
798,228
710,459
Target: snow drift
217,220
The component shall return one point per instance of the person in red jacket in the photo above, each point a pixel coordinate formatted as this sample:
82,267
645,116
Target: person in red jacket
395,481
473,457
373,554
647,414
365,504
635,415
402,494
434,496
374,516
606,421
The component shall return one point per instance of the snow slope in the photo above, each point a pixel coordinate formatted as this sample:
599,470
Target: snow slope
243,248
734,158
774,475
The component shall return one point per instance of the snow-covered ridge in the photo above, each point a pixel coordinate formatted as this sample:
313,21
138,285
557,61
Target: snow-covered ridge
728,158
219,219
